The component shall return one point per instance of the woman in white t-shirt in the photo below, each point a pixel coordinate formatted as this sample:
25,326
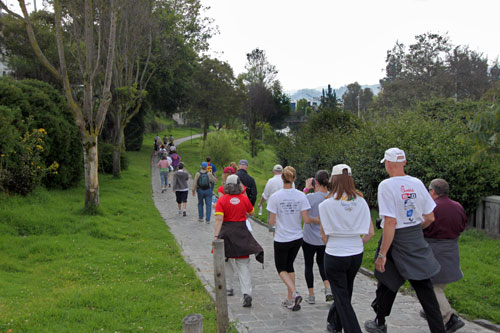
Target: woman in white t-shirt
287,207
345,217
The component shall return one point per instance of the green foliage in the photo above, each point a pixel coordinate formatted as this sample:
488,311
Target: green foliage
486,132
24,167
433,135
36,105
134,131
106,158
212,146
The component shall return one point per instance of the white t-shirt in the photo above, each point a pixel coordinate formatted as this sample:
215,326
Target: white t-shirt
273,184
405,198
344,221
288,204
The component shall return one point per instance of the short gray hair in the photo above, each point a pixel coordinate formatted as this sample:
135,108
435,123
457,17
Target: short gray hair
440,186
233,188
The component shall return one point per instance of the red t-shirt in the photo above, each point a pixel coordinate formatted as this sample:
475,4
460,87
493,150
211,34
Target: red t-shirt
234,208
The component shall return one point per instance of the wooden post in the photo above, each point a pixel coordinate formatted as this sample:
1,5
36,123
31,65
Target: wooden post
193,323
220,286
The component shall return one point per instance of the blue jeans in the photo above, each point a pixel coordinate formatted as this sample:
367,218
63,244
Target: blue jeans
206,196
164,178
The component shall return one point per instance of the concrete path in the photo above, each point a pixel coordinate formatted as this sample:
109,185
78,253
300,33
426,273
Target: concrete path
267,314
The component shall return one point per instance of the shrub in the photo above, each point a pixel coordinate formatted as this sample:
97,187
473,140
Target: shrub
223,147
38,105
105,153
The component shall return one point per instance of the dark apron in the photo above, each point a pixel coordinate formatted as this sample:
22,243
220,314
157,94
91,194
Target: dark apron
239,242
409,258
447,254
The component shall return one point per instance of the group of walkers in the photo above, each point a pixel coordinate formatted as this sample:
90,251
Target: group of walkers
331,225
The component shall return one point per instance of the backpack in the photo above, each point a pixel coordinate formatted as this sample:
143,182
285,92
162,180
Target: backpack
204,181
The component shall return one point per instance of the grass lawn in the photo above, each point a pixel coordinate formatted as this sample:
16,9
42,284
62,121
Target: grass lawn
118,271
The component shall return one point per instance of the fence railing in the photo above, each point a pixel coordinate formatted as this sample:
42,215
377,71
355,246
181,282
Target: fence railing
487,216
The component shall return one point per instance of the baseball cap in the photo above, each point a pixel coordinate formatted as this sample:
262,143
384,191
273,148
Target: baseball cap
232,179
243,162
394,155
229,169
172,148
204,165
339,168
278,167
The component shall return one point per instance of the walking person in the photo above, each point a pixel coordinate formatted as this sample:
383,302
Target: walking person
345,217
247,180
181,188
202,184
273,184
164,166
442,235
176,159
313,243
211,169
287,207
230,224
406,208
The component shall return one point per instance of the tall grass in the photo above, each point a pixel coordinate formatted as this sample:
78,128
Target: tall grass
120,270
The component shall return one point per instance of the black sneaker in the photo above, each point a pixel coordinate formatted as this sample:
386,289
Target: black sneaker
422,314
183,213
330,329
372,327
454,324
230,292
247,301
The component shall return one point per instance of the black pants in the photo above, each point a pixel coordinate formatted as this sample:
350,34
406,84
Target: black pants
285,254
425,293
341,272
309,251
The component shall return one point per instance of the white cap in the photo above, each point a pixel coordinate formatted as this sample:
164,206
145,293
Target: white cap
278,167
232,179
394,155
339,168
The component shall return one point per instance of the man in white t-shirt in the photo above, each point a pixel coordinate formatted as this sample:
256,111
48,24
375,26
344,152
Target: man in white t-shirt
273,184
406,208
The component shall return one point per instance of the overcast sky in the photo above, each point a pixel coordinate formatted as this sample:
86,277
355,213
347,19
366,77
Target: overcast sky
318,42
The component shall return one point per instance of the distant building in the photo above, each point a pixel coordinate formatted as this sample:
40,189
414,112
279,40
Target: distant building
293,106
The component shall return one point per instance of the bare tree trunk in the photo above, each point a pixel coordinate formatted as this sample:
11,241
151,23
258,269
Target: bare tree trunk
91,172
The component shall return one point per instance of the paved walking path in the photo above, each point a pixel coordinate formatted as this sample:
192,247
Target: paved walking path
266,313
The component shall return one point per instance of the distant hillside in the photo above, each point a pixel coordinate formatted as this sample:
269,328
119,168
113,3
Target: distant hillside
311,94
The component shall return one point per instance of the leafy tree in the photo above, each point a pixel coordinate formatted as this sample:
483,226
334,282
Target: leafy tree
266,100
92,27
329,100
356,99
214,94
470,72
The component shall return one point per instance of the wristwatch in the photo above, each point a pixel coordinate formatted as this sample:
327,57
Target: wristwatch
380,255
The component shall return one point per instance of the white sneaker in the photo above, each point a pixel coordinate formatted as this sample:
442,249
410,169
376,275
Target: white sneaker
287,303
310,299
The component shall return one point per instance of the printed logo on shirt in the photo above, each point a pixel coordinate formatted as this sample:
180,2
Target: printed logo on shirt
406,190
289,207
405,196
409,209
348,205
234,201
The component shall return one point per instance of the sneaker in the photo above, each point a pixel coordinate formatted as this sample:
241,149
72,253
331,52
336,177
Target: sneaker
296,302
330,329
372,327
184,213
287,303
328,295
454,324
230,292
208,222
201,220
180,212
247,301
310,299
